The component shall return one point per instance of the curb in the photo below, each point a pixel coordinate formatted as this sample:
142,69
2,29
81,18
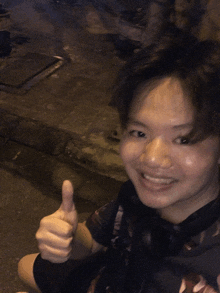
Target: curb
68,147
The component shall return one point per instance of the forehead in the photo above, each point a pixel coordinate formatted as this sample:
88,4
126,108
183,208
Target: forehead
163,100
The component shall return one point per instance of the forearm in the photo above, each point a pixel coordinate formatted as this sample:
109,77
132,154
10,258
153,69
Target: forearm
83,244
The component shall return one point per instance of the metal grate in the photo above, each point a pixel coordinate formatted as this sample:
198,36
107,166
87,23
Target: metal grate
25,71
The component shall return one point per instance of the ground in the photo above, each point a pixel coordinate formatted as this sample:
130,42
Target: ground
30,188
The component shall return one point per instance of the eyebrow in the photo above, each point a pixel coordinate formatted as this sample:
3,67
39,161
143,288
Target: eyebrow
185,125
176,127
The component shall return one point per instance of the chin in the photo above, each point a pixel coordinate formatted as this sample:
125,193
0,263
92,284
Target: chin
154,201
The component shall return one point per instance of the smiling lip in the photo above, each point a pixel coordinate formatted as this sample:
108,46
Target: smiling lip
156,183
158,180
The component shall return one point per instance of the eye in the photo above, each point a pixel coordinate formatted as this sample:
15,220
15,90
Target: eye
182,140
136,133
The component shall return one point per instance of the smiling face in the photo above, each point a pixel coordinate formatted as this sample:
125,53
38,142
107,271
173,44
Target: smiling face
170,174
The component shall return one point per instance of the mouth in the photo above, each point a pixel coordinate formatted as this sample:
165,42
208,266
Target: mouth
158,180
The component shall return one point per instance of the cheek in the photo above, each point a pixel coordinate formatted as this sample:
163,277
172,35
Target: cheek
190,161
129,151
196,164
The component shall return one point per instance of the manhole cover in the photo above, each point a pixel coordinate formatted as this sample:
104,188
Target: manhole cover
20,74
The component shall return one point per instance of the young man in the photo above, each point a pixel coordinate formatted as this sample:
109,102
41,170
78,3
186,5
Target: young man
162,232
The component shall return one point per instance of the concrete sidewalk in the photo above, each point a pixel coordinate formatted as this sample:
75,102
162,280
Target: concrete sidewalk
65,114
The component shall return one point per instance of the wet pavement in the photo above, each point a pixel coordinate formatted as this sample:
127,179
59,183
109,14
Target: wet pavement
66,113
56,128
30,188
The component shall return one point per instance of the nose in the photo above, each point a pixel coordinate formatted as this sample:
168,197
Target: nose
156,154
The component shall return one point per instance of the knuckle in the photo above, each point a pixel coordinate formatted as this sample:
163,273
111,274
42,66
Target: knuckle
47,256
43,255
69,241
43,221
64,244
67,230
38,235
41,234
42,247
57,256
66,253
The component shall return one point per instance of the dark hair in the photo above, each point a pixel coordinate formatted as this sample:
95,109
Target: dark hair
196,64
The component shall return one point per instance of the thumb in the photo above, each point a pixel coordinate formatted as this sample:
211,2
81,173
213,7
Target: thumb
67,197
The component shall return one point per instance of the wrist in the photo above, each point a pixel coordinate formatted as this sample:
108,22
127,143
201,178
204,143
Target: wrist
82,242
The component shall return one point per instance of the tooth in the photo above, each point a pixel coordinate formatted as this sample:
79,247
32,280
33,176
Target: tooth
158,180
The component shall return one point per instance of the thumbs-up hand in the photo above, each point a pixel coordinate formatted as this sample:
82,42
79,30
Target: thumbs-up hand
56,231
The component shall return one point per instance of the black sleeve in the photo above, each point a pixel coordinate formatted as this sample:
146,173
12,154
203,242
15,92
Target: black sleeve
71,276
101,223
